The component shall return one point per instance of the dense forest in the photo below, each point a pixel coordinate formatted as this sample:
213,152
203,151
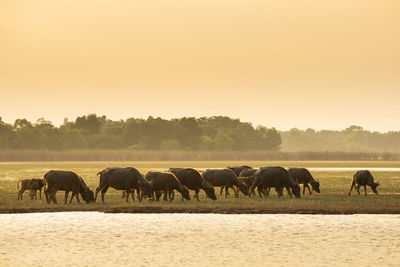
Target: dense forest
94,132
218,133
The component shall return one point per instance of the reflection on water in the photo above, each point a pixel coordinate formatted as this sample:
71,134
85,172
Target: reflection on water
94,239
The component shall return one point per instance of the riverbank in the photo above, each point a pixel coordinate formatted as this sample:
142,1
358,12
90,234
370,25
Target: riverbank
204,209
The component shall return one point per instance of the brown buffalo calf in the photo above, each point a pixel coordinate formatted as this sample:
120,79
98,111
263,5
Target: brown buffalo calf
32,185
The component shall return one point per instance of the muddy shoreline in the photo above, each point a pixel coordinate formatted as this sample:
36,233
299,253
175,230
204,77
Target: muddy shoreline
200,210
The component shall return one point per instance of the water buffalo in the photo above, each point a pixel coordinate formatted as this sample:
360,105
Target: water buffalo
363,178
303,176
127,179
166,182
278,178
193,180
66,181
32,185
247,177
225,178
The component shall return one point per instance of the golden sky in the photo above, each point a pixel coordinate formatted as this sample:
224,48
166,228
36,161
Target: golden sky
324,64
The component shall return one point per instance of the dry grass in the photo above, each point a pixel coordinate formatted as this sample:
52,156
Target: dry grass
333,197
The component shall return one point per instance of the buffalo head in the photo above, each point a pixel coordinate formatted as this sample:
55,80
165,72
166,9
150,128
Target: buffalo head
210,191
374,187
185,192
315,186
88,196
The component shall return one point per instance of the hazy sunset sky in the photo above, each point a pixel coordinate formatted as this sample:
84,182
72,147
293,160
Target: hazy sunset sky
324,64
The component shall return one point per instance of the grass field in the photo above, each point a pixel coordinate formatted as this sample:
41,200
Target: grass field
333,198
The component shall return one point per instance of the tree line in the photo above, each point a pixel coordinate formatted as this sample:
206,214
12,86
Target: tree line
217,133
99,132
351,139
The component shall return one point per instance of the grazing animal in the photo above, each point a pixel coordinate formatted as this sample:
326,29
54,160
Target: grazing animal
166,182
32,185
363,178
67,181
278,178
303,176
247,177
237,170
225,178
193,180
127,179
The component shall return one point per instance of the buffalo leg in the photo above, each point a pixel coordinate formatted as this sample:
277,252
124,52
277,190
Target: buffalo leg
20,193
123,194
103,192
66,197
236,192
53,197
260,191
220,192
365,189
97,191
74,194
40,193
289,191
72,197
358,188
77,197
46,195
196,194
351,188
165,198
226,191
309,190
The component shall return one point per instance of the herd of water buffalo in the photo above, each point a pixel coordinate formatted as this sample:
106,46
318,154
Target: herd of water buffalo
153,185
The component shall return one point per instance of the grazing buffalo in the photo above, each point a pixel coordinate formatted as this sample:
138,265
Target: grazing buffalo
237,170
193,180
303,176
225,178
166,182
32,185
363,178
67,181
276,177
247,177
127,179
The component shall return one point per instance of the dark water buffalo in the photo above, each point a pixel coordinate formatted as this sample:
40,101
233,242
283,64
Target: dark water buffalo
67,181
127,179
225,178
303,176
193,180
363,178
247,177
166,182
32,185
278,178
237,170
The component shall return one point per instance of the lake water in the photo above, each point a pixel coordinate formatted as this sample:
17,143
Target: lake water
94,239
